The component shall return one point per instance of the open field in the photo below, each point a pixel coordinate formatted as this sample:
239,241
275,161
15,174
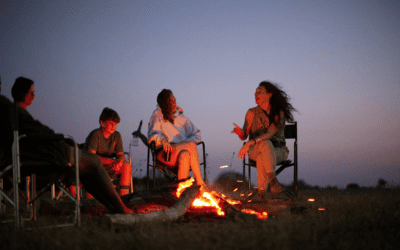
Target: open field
353,219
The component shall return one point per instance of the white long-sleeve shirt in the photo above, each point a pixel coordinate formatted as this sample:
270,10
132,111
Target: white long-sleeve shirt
182,130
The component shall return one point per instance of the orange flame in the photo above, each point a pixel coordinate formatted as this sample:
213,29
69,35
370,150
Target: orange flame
311,200
232,202
262,215
207,200
212,200
183,185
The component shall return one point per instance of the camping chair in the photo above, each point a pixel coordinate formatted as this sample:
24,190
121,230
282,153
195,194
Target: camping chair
290,133
15,168
167,172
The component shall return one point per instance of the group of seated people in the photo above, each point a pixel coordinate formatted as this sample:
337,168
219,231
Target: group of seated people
171,131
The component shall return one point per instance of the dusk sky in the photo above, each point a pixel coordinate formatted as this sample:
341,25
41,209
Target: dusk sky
339,61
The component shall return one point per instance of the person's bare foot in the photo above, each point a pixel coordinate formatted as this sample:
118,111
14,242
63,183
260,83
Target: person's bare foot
204,188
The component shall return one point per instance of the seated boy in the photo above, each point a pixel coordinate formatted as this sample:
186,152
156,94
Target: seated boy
106,142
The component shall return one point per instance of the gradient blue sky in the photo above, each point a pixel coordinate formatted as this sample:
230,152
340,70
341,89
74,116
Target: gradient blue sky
339,62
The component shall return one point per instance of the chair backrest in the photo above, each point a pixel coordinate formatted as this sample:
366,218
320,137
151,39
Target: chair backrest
291,131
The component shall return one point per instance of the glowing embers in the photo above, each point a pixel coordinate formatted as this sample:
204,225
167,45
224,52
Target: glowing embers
311,205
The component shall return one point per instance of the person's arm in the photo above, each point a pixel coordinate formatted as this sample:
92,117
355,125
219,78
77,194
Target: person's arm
31,127
119,151
154,133
244,133
104,160
272,129
193,133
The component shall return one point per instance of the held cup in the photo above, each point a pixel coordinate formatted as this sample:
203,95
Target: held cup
167,156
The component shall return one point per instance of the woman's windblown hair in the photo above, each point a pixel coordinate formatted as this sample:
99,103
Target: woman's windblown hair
279,101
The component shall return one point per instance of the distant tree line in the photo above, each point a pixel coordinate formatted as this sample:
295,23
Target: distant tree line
229,179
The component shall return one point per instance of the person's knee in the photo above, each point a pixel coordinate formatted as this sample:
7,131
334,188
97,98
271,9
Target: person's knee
88,162
184,154
265,145
191,147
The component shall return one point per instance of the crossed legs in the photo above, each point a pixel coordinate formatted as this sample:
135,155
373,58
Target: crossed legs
184,155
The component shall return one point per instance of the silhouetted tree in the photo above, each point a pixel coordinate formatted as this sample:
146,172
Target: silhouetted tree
353,186
331,188
381,183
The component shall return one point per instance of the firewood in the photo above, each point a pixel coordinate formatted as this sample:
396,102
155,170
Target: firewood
173,213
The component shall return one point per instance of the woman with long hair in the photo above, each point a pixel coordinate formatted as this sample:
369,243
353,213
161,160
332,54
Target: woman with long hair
175,134
265,127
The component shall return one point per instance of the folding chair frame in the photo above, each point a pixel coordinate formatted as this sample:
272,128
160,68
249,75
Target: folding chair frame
15,167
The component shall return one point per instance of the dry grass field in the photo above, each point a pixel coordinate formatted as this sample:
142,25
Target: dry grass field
352,219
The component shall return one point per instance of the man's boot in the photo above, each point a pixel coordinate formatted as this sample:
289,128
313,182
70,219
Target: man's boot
276,187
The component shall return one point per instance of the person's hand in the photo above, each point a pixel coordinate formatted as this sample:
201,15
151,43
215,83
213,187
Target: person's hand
117,165
166,145
237,130
243,151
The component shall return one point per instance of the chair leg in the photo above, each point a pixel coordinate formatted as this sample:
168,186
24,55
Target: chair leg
249,178
28,193
33,192
2,203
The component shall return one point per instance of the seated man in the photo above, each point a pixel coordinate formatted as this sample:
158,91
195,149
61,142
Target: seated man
106,142
92,174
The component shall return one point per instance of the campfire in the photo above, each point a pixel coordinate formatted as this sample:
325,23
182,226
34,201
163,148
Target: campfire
181,199
214,202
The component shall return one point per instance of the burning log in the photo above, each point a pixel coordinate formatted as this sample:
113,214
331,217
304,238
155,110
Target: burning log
176,211
166,195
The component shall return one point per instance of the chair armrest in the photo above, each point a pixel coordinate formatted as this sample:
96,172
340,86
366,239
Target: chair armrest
44,137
